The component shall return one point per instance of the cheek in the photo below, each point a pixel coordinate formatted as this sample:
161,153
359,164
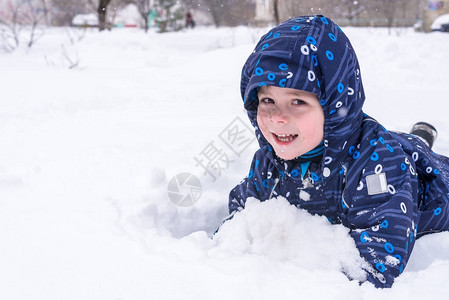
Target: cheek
321,122
261,121
312,124
319,125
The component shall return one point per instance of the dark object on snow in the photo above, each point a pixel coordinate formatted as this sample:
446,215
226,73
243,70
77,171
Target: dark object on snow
441,23
426,132
189,20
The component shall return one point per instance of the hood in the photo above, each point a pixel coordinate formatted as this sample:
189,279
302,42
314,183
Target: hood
309,53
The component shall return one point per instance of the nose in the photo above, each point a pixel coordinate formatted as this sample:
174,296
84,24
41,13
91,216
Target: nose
278,115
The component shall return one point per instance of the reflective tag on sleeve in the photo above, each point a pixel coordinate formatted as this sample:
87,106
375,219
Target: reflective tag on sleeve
376,184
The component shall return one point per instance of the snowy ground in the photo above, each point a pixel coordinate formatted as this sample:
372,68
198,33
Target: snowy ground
86,155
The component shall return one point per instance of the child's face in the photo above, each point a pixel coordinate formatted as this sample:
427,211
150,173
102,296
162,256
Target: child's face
291,120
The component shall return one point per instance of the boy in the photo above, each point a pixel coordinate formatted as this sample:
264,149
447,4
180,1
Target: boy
303,93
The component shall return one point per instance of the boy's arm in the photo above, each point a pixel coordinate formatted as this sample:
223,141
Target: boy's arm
237,197
251,186
384,229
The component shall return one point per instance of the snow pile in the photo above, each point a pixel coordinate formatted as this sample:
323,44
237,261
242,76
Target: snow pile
280,231
269,249
439,21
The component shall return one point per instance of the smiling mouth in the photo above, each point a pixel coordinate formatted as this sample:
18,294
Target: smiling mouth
285,138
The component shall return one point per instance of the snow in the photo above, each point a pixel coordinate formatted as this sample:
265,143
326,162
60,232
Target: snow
436,24
85,19
128,16
87,154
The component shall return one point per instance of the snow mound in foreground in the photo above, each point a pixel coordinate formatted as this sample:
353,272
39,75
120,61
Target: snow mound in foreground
282,232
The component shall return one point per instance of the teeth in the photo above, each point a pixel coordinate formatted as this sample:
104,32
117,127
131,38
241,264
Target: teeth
285,138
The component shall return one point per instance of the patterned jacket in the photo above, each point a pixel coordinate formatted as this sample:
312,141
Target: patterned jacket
387,188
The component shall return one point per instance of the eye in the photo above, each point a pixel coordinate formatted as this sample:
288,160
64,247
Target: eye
298,102
266,100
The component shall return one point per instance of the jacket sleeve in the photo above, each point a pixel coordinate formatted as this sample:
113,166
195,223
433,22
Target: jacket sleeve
245,189
253,185
383,216
238,196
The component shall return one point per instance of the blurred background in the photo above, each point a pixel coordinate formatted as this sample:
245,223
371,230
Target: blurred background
173,15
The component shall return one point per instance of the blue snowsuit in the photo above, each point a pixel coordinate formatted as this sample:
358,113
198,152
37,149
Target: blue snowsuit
388,188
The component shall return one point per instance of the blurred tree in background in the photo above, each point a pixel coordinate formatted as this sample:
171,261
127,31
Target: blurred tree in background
224,12
170,15
389,13
145,7
19,22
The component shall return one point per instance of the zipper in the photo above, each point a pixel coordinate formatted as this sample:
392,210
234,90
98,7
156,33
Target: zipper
342,204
